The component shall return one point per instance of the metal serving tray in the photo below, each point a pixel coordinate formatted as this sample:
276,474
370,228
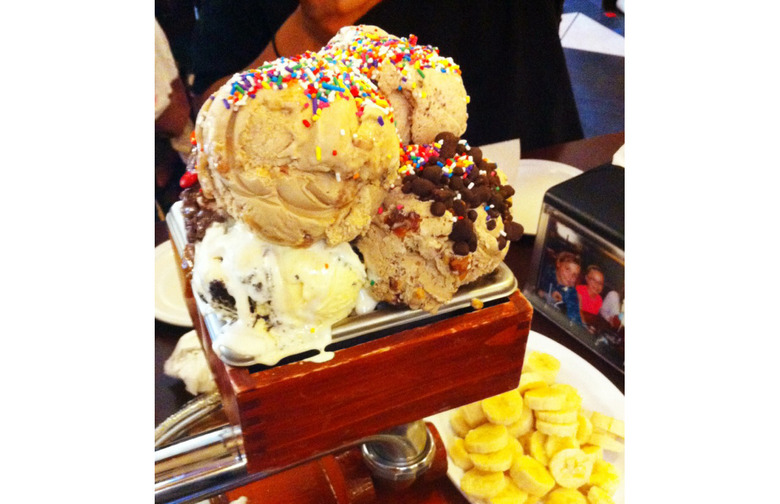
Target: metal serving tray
386,319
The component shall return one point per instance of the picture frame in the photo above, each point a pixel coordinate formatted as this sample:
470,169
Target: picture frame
577,280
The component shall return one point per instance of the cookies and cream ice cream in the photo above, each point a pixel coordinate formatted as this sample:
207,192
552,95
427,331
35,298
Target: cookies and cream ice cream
447,225
276,300
425,89
301,149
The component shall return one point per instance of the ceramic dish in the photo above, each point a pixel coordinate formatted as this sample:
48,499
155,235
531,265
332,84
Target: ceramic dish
598,394
531,180
169,305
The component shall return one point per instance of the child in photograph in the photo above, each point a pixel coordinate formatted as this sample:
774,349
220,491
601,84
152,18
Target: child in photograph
557,285
590,295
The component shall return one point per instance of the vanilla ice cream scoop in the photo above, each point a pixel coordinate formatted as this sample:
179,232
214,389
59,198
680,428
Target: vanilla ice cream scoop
425,89
276,301
301,149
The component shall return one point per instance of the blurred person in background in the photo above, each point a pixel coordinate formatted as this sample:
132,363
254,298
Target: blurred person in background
172,123
509,52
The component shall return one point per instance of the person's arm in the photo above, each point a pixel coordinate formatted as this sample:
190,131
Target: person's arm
174,118
309,28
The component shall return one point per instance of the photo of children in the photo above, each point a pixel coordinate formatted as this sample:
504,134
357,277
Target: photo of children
580,286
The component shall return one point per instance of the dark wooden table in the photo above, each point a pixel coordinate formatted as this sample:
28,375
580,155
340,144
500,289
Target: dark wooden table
170,394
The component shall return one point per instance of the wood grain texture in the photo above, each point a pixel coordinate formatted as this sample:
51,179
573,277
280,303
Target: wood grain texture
298,411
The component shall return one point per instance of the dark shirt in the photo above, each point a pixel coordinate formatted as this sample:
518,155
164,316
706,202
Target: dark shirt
570,304
509,53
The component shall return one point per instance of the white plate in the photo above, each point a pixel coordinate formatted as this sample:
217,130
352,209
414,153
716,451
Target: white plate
531,179
598,394
169,305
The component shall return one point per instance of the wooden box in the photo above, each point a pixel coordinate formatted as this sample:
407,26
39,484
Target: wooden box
297,411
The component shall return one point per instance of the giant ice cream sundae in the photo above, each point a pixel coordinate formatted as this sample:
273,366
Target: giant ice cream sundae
323,184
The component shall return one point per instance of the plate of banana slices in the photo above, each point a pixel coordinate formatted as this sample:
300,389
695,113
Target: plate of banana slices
559,437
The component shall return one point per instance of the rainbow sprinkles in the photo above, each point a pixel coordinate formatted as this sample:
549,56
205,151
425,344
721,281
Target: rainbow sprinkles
322,79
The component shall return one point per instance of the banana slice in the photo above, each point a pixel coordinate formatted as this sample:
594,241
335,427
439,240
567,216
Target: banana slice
584,428
505,408
511,494
542,363
608,424
498,461
595,451
459,424
554,429
531,476
481,484
605,475
545,398
554,444
565,496
563,416
530,381
573,398
536,447
524,425
605,440
517,447
459,455
473,414
571,467
597,495
486,438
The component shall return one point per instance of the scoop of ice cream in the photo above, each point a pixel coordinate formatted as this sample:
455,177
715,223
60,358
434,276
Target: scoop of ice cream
277,300
446,226
188,363
300,149
425,89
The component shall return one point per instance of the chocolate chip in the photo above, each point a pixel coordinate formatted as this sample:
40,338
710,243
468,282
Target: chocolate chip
507,191
449,144
497,202
514,231
443,194
473,243
422,187
491,224
456,183
432,173
482,194
472,215
438,208
459,208
476,154
462,230
461,248
501,242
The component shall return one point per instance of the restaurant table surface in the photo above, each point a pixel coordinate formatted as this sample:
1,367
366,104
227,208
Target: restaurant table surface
170,394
